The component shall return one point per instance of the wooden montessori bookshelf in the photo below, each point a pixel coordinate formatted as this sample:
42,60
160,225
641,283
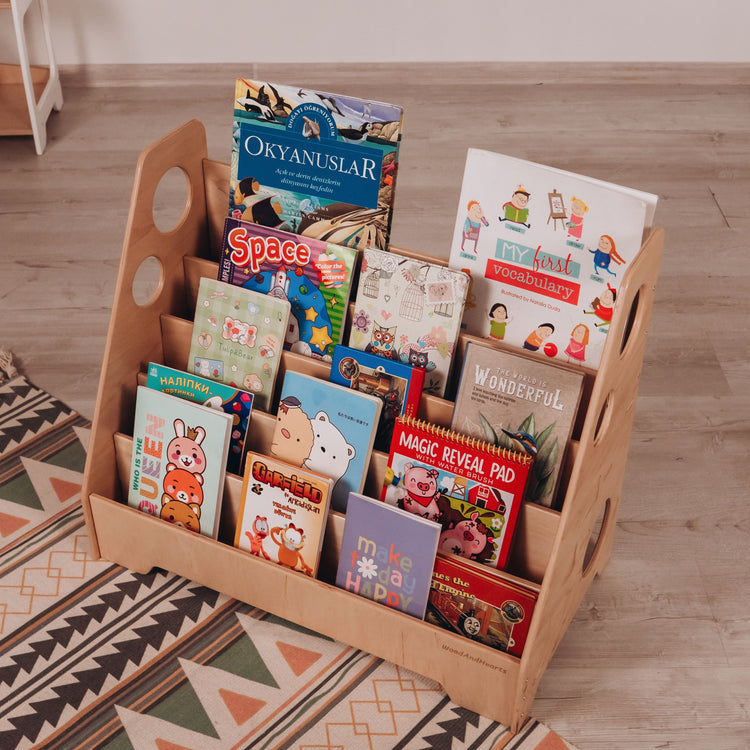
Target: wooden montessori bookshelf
561,551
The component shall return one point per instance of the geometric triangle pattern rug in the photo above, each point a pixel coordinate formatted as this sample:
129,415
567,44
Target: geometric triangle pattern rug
93,655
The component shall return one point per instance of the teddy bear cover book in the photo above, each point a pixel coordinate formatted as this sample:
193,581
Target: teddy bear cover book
179,460
238,337
326,428
314,163
233,401
472,489
409,311
316,277
546,250
521,403
387,555
283,511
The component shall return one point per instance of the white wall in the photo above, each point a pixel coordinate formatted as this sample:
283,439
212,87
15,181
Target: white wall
216,31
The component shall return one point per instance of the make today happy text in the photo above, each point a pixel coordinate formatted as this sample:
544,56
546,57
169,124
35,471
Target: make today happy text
381,575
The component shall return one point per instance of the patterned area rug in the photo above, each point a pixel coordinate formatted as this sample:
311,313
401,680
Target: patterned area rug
93,655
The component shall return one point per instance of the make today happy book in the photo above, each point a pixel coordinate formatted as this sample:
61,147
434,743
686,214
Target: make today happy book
179,460
314,276
546,250
314,163
238,337
387,555
521,403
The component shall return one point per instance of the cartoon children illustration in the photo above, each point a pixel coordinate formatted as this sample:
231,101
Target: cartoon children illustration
536,338
603,307
474,220
575,223
579,339
604,254
515,210
498,320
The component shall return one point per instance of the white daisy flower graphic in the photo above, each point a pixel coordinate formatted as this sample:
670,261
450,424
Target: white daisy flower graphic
367,567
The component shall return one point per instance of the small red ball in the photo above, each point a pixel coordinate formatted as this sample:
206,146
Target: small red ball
550,349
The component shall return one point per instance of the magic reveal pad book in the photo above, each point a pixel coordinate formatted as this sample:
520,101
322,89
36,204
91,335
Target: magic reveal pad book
409,311
471,488
520,403
326,428
233,401
238,337
398,385
387,555
547,251
179,460
283,513
314,276
314,163
487,606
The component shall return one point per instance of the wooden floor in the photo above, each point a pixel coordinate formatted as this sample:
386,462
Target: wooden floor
659,653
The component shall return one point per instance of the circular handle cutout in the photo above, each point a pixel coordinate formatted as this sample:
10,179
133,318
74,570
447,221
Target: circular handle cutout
148,281
171,200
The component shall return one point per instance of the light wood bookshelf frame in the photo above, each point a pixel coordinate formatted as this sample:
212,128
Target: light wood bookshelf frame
561,551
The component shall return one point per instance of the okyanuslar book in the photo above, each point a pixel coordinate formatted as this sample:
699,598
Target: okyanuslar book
179,460
283,511
471,488
314,163
328,429
547,251
314,276
387,555
233,401
409,310
520,403
398,385
491,607
238,337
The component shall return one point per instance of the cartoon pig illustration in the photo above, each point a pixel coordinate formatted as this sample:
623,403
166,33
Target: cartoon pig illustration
468,538
422,493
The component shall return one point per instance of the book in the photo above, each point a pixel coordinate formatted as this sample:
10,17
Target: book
179,460
238,336
520,403
314,163
398,385
546,250
472,489
488,606
328,429
283,511
314,276
387,555
233,401
410,311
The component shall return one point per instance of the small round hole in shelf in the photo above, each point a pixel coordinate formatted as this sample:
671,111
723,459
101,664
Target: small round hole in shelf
595,537
630,323
171,199
148,281
603,418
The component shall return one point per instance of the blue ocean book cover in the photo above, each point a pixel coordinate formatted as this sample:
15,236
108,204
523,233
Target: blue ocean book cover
314,163
387,555
179,458
233,401
328,429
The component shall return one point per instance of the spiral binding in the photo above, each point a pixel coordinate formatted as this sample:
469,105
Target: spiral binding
475,443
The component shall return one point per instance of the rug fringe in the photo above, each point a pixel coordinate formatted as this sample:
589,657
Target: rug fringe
7,370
